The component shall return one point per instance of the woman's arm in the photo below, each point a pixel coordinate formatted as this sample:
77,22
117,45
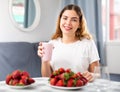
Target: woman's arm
92,66
89,74
45,65
46,69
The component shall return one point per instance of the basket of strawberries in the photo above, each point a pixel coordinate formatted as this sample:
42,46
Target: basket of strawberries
67,79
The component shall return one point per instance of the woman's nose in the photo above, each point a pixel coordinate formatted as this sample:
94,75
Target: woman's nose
68,22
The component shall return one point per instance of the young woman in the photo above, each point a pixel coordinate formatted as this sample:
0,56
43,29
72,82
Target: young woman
74,47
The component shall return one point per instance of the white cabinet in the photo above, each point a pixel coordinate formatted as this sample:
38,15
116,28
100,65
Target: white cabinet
113,57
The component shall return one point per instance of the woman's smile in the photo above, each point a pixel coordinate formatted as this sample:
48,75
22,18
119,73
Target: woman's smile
67,28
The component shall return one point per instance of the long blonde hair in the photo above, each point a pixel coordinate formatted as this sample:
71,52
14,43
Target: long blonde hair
82,31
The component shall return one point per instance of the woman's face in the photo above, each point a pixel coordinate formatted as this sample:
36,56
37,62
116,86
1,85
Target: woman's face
69,22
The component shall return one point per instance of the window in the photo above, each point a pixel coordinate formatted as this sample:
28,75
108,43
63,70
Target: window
19,11
111,20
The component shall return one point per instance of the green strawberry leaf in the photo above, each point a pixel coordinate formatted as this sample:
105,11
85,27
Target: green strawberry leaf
65,82
66,76
20,85
75,81
71,73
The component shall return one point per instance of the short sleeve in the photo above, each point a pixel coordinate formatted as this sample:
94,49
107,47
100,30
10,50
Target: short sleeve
93,52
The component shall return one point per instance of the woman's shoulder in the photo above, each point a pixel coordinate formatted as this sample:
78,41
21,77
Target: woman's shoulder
88,40
55,40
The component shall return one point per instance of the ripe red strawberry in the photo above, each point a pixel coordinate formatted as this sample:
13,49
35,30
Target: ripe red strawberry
60,83
8,78
61,70
79,74
84,80
16,74
15,82
30,81
23,82
79,82
53,81
10,82
25,73
68,70
70,83
61,76
52,76
24,77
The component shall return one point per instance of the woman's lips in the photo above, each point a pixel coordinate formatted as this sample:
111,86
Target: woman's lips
67,28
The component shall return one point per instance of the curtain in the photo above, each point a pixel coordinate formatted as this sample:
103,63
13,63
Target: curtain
29,13
92,13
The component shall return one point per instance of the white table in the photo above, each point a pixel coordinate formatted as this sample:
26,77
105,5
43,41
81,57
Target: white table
41,85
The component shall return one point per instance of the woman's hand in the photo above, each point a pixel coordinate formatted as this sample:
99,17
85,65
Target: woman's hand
40,50
89,76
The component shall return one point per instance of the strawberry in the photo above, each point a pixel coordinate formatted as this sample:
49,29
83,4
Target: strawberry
21,82
61,76
24,81
79,74
8,78
52,76
70,83
60,83
79,82
61,70
25,73
53,81
30,81
15,82
56,72
74,76
68,70
24,77
10,82
16,74
84,80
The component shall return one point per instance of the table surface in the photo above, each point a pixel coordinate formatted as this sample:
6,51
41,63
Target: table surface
41,85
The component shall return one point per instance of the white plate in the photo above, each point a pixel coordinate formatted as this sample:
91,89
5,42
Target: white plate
20,87
58,87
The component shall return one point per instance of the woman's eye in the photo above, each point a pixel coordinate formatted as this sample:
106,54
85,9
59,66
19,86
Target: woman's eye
65,18
74,20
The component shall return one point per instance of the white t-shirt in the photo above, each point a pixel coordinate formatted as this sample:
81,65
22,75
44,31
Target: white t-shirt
77,56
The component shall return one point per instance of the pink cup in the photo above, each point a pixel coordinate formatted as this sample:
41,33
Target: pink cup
48,47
